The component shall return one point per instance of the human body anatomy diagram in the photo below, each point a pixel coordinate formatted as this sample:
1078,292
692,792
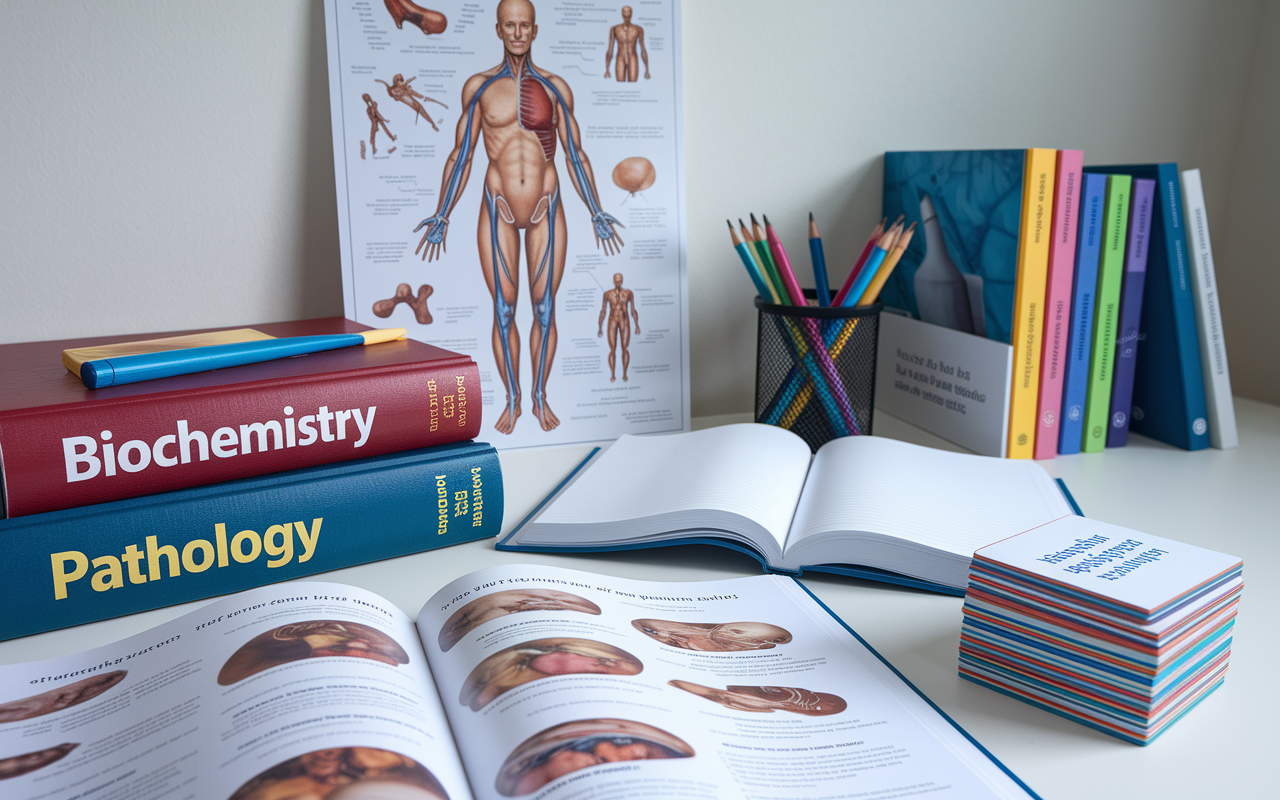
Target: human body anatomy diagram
614,308
519,111
628,37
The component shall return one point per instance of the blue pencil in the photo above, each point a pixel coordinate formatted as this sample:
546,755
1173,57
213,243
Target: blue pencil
819,264
119,370
870,269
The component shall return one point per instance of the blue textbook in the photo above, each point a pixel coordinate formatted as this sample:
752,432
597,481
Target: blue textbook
962,272
95,562
1083,291
863,506
1168,390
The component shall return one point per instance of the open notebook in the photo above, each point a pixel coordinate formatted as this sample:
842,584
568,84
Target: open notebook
863,506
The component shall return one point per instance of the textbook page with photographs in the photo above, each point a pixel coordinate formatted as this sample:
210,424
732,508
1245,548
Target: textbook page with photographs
516,681
863,506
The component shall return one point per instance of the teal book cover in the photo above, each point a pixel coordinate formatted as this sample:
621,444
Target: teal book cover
960,271
85,564
1168,387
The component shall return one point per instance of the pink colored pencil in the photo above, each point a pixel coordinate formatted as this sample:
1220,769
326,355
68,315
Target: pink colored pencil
784,265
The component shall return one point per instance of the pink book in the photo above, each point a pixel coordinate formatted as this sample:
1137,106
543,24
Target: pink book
1057,307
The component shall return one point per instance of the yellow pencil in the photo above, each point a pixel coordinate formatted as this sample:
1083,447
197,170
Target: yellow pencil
886,269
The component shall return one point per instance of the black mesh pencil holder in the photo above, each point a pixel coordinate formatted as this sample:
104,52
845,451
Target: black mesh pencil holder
816,369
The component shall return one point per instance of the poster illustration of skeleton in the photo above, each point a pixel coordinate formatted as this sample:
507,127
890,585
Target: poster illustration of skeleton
510,186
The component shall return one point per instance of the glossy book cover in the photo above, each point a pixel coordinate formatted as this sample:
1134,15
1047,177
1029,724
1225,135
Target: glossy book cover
962,272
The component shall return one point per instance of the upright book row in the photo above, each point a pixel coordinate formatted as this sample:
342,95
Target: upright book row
1084,273
134,497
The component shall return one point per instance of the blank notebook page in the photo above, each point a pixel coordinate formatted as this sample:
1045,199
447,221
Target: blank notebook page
753,470
948,501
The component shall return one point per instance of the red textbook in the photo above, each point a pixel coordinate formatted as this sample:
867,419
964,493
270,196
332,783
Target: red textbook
64,446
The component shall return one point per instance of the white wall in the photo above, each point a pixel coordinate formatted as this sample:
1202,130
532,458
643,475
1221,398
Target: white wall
169,165
1244,236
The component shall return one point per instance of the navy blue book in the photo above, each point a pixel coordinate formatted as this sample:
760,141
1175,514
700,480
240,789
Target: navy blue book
1137,245
1168,389
1083,293
95,562
863,506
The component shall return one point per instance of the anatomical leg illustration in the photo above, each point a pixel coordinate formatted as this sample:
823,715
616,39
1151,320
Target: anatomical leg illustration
616,301
627,37
13,766
519,111
767,699
399,89
375,119
633,175
429,21
37,705
404,294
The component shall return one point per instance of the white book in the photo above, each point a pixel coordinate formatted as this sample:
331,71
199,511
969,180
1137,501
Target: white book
1213,347
908,513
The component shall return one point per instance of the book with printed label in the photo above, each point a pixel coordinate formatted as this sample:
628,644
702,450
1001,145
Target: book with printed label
1141,209
63,445
1106,316
514,681
1213,346
1057,302
1168,389
1083,295
95,562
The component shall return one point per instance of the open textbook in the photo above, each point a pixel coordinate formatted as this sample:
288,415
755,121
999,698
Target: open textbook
863,505
516,681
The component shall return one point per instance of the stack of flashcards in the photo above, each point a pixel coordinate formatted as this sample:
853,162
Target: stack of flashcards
1115,629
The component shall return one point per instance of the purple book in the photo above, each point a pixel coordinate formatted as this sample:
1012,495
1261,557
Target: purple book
1141,208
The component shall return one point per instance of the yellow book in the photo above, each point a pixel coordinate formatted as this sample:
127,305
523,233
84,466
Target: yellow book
1028,310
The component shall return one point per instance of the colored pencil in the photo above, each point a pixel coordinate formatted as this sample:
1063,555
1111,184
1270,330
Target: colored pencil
859,262
753,270
869,269
766,261
886,269
784,265
119,370
819,259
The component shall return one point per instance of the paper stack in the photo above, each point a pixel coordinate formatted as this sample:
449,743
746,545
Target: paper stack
1115,629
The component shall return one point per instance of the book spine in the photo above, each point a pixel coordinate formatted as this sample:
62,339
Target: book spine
1028,311
1088,248
1169,392
1106,314
1057,305
82,454
85,564
1213,346
1141,211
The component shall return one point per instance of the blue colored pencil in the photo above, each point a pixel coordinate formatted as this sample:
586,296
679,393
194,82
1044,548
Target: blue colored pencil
119,370
819,264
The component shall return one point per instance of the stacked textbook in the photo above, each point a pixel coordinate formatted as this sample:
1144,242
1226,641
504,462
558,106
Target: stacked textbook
1115,629
126,498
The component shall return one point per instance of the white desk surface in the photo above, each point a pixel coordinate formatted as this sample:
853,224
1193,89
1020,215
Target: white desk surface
1225,500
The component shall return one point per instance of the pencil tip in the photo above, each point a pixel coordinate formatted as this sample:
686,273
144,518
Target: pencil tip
912,226
811,216
765,217
730,224
753,219
740,222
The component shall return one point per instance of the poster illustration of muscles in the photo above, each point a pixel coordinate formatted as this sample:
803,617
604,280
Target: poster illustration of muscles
511,186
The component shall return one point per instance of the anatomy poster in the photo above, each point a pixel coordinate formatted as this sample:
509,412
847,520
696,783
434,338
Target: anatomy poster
511,186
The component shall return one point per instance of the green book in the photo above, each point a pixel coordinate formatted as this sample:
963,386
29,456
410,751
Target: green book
1102,359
